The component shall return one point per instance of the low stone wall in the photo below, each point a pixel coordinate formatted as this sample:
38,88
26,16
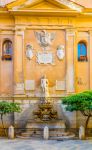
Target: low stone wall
28,105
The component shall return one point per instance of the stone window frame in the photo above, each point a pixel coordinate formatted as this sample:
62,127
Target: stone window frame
82,57
7,56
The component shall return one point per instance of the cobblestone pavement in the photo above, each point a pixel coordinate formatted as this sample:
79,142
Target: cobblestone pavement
21,144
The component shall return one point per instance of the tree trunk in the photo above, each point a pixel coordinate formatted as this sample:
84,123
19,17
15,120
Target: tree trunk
87,121
3,125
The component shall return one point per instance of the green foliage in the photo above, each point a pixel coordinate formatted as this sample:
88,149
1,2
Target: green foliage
6,107
79,102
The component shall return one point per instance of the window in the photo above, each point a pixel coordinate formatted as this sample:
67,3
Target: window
82,51
7,50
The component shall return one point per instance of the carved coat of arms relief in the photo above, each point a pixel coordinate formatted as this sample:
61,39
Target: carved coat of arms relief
45,38
60,52
29,51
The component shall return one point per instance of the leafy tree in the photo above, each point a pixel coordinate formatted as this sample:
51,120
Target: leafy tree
6,108
80,102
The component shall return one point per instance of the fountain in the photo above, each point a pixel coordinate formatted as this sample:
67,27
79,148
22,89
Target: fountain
45,116
46,111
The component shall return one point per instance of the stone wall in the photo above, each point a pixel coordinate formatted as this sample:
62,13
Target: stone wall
28,105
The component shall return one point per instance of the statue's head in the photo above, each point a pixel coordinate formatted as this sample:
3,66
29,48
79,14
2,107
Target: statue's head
44,76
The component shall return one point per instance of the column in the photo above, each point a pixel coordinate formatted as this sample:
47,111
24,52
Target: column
18,62
0,58
70,84
90,59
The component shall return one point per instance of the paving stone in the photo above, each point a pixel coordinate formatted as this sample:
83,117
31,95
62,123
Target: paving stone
34,144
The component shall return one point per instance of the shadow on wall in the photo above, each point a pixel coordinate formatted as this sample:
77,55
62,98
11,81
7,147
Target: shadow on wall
69,117
26,114
8,120
62,114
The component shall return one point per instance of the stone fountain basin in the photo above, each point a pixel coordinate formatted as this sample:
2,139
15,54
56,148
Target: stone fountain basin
57,129
52,124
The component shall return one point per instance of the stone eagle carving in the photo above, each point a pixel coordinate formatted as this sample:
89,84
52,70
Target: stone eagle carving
44,38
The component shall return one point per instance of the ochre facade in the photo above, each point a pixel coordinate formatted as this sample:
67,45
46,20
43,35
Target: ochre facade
19,21
71,23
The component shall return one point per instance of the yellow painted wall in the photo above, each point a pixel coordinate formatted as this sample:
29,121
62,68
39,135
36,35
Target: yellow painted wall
20,27
34,70
82,68
6,68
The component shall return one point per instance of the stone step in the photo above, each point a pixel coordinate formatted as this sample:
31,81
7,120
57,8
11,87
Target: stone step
40,133
26,134
33,132
60,138
58,134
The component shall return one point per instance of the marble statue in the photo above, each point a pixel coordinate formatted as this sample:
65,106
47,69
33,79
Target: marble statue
44,38
44,86
60,52
29,51
44,83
